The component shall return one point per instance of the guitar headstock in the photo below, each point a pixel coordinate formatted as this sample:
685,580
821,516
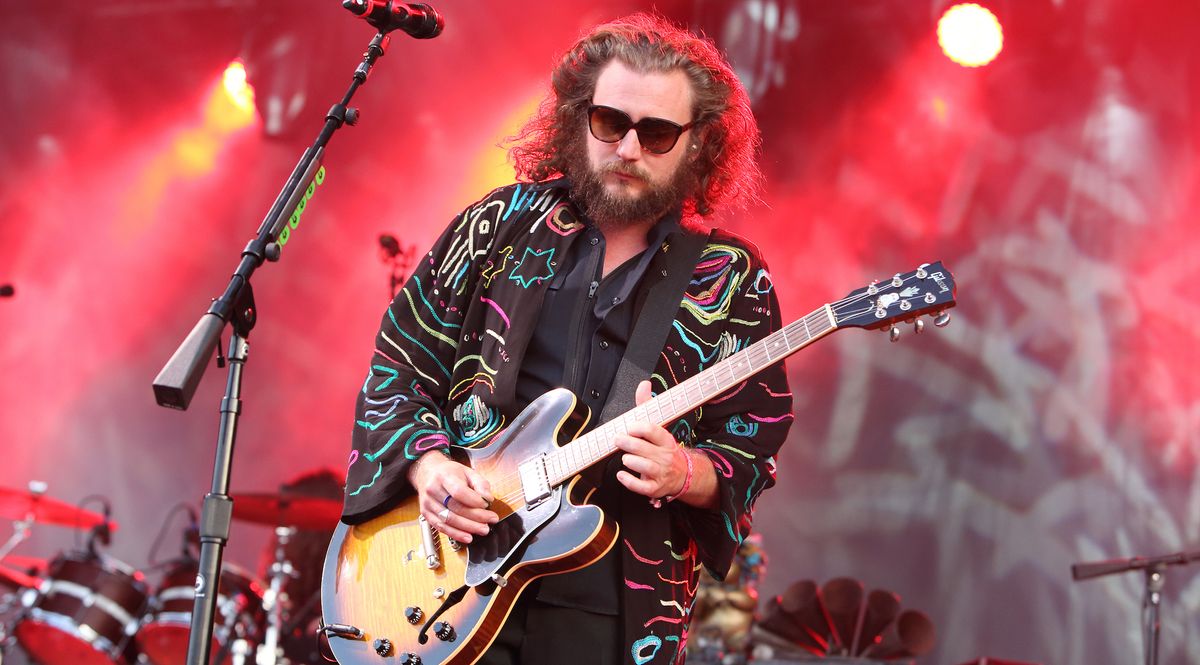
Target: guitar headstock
905,297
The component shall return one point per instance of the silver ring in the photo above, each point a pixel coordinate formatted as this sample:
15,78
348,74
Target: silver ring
443,514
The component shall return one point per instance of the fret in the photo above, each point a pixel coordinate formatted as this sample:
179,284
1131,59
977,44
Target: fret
806,329
661,417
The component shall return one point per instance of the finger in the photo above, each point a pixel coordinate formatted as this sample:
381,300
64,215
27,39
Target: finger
463,495
481,486
642,394
448,527
655,434
640,465
637,485
635,445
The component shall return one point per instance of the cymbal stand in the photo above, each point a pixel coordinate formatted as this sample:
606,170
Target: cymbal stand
22,528
276,600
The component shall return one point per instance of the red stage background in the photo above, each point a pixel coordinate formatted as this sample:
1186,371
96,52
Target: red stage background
1056,420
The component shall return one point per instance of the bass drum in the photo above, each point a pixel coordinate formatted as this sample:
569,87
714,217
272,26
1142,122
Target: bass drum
237,627
84,613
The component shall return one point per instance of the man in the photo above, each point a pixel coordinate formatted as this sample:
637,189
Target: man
539,285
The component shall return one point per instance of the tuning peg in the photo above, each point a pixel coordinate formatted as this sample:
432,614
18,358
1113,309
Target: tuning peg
919,326
942,320
894,334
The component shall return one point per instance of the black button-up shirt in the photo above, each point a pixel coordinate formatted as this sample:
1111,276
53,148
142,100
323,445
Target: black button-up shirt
581,335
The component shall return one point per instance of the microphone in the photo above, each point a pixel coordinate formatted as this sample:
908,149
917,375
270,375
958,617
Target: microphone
419,20
389,244
6,290
101,533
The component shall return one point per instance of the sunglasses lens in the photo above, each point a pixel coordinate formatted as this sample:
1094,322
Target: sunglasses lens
609,125
657,136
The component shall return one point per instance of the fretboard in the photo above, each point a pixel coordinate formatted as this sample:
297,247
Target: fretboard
572,458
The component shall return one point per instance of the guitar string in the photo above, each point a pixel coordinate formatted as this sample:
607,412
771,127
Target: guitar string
752,353
838,307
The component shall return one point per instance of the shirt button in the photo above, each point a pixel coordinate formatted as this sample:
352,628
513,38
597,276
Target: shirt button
604,344
616,301
595,394
595,241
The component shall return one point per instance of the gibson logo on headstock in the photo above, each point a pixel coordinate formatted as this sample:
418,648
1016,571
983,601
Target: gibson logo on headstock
940,278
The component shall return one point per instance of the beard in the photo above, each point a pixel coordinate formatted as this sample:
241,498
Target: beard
616,210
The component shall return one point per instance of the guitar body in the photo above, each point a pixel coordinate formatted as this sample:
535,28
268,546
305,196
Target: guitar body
376,570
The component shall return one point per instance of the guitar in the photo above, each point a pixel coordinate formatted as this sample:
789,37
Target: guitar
394,588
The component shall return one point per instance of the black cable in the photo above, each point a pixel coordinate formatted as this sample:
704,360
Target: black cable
152,557
107,509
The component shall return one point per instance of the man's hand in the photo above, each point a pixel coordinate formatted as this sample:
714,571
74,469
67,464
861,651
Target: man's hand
661,464
453,497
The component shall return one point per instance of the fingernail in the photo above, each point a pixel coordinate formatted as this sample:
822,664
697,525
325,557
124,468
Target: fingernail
466,539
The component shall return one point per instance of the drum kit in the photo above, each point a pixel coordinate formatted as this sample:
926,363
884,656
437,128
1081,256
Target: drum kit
86,608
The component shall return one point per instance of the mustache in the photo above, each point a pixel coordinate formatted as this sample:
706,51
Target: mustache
625,168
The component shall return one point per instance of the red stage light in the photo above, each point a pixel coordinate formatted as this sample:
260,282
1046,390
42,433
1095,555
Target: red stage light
970,35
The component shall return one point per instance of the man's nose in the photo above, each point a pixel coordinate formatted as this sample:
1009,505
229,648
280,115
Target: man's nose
629,148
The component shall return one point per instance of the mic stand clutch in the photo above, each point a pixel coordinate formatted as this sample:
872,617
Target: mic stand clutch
1154,568
176,383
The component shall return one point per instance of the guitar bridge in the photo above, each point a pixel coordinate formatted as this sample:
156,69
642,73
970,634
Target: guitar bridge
535,480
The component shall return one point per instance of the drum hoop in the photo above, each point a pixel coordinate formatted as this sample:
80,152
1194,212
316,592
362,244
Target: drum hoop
167,618
177,593
65,624
91,599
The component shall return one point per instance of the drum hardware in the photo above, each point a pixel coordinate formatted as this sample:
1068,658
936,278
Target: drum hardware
276,600
32,506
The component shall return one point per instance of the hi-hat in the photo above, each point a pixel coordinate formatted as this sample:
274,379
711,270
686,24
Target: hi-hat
25,505
300,511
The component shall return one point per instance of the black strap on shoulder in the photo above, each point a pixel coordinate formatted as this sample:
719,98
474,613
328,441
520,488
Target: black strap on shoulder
654,323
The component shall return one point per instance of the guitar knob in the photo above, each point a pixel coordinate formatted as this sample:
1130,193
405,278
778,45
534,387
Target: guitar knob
410,659
942,320
413,615
383,647
444,631
919,326
894,334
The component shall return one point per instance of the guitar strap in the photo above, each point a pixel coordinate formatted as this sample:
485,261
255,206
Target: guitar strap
654,322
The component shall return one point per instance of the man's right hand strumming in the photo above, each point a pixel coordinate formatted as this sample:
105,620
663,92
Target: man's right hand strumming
453,497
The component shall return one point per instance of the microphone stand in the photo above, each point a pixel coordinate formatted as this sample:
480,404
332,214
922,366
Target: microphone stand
177,382
1154,568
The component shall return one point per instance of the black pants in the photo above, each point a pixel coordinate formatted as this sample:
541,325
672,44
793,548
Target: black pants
538,633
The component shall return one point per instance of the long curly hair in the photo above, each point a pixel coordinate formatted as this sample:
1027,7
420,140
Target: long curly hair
725,167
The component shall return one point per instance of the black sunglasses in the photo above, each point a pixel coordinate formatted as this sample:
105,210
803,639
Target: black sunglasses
657,136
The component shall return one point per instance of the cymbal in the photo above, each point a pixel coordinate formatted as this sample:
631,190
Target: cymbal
300,511
21,562
23,504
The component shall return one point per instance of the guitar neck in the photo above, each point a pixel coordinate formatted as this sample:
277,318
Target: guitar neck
572,458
